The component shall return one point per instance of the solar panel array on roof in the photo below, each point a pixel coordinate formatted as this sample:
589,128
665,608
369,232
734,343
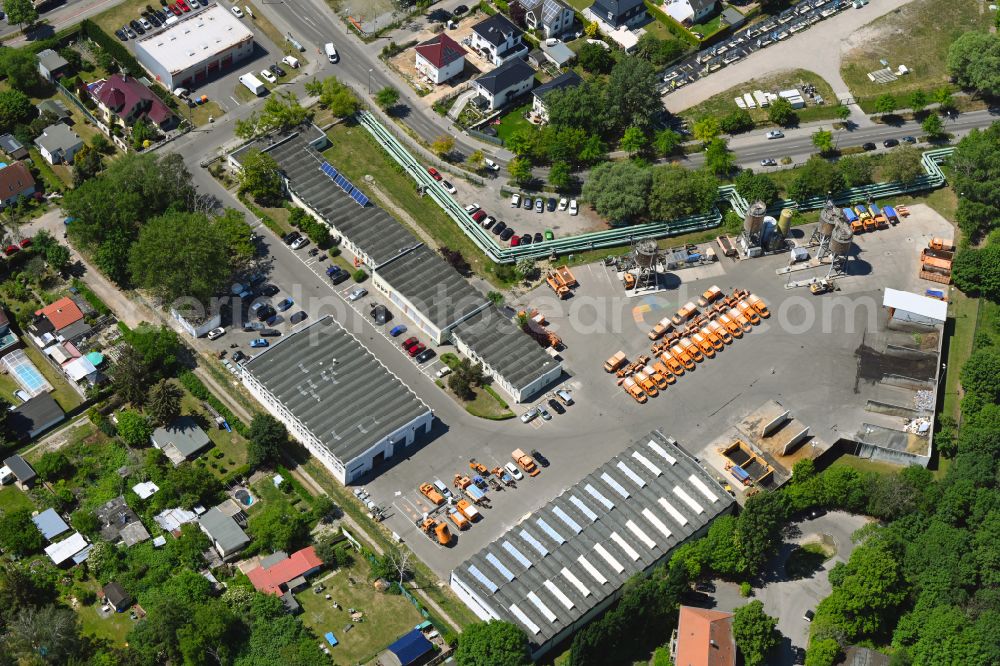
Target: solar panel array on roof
360,197
584,547
343,183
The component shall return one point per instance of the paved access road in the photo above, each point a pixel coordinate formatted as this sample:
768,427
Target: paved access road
59,16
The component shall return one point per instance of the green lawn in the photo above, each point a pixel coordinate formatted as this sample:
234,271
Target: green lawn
485,406
916,35
514,120
386,616
963,310
231,444
63,393
723,104
7,387
865,465
12,499
113,628
807,559
355,154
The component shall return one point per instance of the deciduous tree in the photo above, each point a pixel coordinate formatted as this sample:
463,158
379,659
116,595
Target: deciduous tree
20,12
266,437
443,145
933,127
885,103
595,59
632,94
260,177
15,108
19,65
756,187
18,534
902,164
492,644
718,158
134,428
755,633
633,140
618,191
560,175
335,96
781,113
974,61
736,122
387,97
705,129
281,112
667,141
520,170
678,192
817,177
823,140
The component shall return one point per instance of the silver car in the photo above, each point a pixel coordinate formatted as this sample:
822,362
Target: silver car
358,292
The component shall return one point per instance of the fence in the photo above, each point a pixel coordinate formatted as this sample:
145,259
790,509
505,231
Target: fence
624,235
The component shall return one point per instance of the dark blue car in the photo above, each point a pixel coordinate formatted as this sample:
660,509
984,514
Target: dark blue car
397,330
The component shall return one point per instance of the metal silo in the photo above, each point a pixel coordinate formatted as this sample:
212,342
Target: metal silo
785,222
754,220
841,240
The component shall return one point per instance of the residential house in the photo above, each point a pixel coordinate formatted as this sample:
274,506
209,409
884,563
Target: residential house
618,13
282,575
8,339
181,439
16,183
505,83
558,53
51,65
689,12
34,416
58,322
122,99
568,80
440,58
55,110
73,549
23,473
120,523
58,144
703,638
114,595
12,147
228,538
498,40
50,524
552,17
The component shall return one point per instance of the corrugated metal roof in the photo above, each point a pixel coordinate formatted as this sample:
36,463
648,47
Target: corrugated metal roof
332,384
557,573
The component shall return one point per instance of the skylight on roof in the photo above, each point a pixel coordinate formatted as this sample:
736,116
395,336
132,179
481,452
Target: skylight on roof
624,545
700,485
555,536
674,513
594,573
680,492
575,582
534,599
627,471
662,452
642,536
558,594
584,509
596,494
618,488
481,577
499,566
524,619
565,517
608,557
516,554
655,521
647,463
535,543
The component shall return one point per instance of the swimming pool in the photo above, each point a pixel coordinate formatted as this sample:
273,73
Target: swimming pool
25,373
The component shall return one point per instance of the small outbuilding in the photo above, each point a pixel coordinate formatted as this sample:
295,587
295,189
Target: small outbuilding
114,595
181,440
905,306
51,65
50,524
24,474
411,649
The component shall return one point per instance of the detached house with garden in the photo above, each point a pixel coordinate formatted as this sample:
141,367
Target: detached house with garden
123,100
498,40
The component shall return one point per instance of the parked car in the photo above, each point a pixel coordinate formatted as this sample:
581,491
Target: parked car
539,205
251,326
25,242
216,333
268,76
291,61
434,173
909,139
449,188
573,210
869,146
479,215
565,396
549,235
276,70
556,406
471,208
284,304
129,31
563,203
461,9
890,143
416,349
290,237
443,371
513,469
515,240
526,417
265,312
528,203
551,204
381,314
507,234
526,239
269,290
809,615
768,162
259,342
499,228
270,333
340,276
775,134
237,12
121,34
356,293
183,5
538,237
425,356
409,342
146,25
544,413
176,11
515,200
299,242
540,459
135,25
397,330
488,221
299,316
238,356
491,165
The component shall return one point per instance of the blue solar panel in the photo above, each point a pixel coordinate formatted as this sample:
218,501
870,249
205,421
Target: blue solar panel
344,183
330,171
360,197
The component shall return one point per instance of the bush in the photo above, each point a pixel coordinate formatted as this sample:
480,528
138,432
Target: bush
360,275
746,589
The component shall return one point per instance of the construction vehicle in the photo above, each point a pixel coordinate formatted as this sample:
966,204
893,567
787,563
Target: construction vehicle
734,328
727,246
457,517
632,367
615,362
748,312
717,329
759,306
942,244
676,367
685,313
629,280
890,214
869,222
817,287
663,326
657,377
862,212
710,296
713,339
435,530
740,319
683,357
525,462
561,280
646,384
471,490
704,345
504,477
478,468
470,511
880,219
692,349
633,390
431,493
935,270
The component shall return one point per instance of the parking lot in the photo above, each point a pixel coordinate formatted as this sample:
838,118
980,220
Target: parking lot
804,356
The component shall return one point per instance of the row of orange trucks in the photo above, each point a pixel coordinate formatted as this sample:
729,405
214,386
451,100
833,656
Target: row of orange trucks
463,511
687,338
871,217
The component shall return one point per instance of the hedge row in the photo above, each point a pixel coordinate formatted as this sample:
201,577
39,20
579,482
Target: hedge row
191,382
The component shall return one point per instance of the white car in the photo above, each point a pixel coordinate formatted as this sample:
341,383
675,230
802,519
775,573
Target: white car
216,333
491,165
775,134
563,204
291,61
299,242
515,200
472,208
513,471
331,52
448,187
237,12
145,24
573,210
443,372
268,76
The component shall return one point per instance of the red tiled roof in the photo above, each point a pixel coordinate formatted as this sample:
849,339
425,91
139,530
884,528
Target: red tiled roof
270,580
122,94
441,50
705,638
14,179
62,313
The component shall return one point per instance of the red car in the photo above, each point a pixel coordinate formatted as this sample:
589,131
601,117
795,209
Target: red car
409,342
25,243
174,9
416,349
11,249
434,173
183,6
515,240
479,215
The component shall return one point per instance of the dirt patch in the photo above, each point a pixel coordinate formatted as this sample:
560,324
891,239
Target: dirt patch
405,64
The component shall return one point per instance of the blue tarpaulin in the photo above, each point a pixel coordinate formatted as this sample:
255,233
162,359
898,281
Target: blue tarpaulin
330,638
411,647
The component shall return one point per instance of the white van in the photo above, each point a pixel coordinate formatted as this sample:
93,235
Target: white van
331,52
253,84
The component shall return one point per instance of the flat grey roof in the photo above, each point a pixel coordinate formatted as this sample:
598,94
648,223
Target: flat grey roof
432,286
372,229
505,347
549,570
50,524
224,530
336,387
20,467
184,434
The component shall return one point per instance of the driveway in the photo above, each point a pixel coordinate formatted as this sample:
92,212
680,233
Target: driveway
788,600
818,50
